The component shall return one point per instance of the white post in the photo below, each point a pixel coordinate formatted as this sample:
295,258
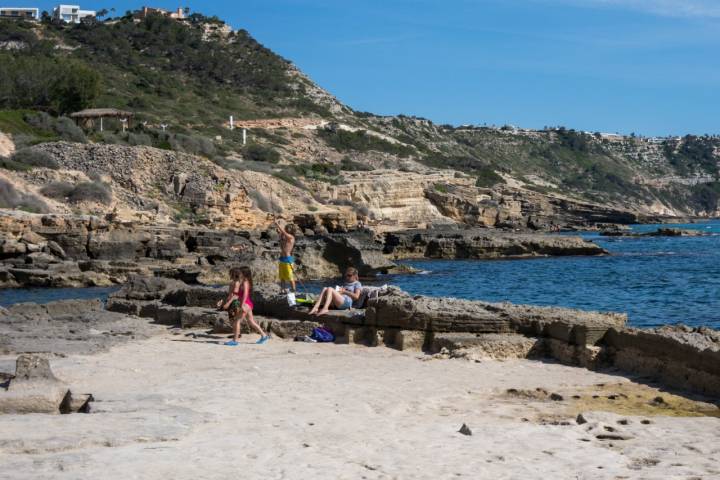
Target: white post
101,124
244,136
124,123
232,123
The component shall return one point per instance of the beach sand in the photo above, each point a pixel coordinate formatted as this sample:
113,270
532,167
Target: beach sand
174,407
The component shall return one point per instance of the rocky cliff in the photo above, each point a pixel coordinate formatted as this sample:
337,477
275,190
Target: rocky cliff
306,153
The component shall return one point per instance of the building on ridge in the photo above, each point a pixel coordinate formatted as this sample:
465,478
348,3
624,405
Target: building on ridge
71,13
141,14
20,13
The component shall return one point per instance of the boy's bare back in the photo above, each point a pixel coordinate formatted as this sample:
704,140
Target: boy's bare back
287,241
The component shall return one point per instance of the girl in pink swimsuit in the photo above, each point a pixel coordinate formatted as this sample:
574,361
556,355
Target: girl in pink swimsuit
238,303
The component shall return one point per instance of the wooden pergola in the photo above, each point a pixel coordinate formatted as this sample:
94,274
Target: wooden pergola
89,116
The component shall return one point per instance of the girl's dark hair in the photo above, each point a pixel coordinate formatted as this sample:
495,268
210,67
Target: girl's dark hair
247,275
235,272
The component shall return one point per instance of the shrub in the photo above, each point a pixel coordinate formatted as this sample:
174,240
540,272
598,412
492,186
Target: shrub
192,144
487,177
63,127
40,120
57,190
109,137
261,153
360,141
34,158
67,130
316,170
8,164
352,166
91,192
139,139
60,85
11,198
706,196
290,178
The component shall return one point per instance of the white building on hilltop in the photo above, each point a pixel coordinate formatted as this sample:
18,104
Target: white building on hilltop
71,13
20,13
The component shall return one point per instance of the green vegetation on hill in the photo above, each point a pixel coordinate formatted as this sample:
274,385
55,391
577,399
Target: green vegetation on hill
191,76
360,141
693,152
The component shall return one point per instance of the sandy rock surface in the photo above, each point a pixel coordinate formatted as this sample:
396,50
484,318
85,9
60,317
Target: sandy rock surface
7,146
178,407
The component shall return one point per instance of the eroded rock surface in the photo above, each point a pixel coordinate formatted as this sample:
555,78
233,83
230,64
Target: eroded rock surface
80,251
35,389
452,243
678,356
69,326
660,232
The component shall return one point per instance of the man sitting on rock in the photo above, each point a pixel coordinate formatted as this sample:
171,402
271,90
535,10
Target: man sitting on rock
285,263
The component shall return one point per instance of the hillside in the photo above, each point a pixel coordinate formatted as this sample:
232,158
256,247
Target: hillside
307,155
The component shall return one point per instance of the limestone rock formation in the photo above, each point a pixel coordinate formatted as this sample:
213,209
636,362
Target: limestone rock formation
679,356
78,251
483,243
35,389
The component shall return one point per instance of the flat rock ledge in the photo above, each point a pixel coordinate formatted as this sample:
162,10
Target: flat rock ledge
678,357
660,232
484,244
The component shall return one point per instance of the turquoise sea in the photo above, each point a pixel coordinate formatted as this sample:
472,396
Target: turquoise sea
656,280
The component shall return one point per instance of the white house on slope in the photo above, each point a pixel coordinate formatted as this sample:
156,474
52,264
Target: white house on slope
71,13
20,13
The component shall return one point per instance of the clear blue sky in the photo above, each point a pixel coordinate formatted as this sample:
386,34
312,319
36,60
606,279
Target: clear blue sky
645,66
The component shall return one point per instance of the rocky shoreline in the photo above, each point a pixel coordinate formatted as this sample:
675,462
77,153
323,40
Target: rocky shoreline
81,251
676,357
680,357
660,232
157,387
483,244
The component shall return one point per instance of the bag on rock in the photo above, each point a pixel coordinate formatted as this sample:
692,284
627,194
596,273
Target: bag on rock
321,335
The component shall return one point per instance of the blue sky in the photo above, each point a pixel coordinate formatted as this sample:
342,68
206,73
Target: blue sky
645,66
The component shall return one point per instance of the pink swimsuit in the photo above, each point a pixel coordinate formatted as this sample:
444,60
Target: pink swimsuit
248,302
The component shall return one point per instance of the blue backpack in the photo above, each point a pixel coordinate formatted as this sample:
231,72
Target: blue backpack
321,334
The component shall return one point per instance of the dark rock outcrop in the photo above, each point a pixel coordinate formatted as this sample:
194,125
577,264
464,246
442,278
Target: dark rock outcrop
81,251
660,232
483,243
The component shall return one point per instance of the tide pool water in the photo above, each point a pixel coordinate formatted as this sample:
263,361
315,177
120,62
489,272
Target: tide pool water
45,295
655,280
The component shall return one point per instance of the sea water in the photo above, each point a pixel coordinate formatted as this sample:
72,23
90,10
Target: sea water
655,280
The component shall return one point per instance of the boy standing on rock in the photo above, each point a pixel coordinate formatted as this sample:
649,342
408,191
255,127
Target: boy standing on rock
285,263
